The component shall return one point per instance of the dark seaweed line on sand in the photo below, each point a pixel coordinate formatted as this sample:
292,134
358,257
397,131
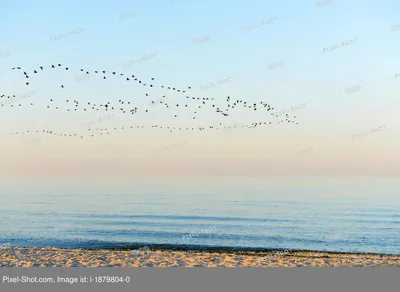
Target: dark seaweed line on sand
252,251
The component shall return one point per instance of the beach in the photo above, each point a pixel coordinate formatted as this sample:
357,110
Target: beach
57,257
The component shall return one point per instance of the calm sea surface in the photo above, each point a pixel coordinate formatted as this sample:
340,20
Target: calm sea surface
358,215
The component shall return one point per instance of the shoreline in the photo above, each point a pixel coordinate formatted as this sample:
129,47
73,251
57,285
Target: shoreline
74,257
199,249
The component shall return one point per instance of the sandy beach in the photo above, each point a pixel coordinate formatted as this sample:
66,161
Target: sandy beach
55,257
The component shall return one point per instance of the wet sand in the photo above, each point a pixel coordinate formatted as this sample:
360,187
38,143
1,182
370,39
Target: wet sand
55,257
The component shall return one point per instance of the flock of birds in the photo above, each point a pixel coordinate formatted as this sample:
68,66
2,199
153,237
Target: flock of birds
187,101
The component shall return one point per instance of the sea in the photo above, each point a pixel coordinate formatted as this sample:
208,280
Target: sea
353,215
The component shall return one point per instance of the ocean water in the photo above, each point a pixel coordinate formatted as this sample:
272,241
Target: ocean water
340,215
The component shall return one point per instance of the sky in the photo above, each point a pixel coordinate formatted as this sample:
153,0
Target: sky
285,53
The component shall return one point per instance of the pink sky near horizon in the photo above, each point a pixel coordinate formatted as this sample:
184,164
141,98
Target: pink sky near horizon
200,157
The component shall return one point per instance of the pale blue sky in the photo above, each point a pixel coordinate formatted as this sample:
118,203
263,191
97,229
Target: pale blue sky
296,38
